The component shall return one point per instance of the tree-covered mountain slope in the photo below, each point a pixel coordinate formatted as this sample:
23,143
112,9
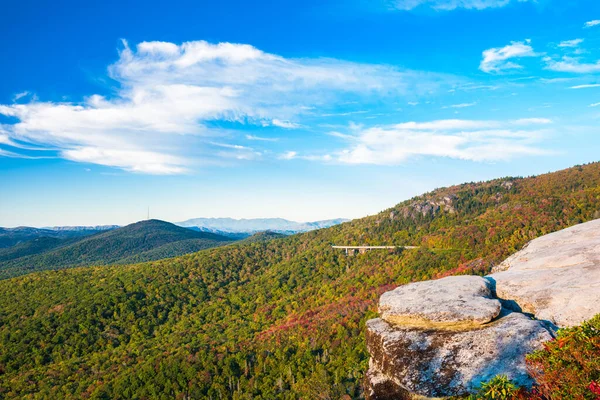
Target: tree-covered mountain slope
33,246
263,320
263,237
13,236
141,241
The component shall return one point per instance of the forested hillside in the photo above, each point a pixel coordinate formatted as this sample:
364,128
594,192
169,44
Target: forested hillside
276,319
13,236
142,241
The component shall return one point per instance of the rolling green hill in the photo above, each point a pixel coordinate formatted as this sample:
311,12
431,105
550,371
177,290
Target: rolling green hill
33,246
14,236
263,237
277,319
142,241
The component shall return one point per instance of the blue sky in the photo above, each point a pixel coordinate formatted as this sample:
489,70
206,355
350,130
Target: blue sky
303,110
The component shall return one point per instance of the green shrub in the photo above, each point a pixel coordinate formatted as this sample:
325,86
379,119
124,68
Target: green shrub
498,388
569,366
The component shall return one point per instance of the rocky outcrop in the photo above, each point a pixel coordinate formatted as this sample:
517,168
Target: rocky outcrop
431,206
406,363
453,303
555,277
445,337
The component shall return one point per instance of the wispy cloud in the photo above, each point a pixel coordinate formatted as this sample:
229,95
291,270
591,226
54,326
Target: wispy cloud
592,23
587,86
595,105
571,64
340,135
461,105
169,94
262,139
20,95
497,59
290,155
285,124
475,140
570,43
447,5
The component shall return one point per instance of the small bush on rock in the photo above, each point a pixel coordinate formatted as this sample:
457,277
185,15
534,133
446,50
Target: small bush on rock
569,366
498,388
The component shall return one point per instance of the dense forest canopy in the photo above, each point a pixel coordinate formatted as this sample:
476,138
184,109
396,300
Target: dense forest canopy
266,319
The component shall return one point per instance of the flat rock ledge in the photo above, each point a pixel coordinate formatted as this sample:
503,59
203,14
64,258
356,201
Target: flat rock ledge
453,303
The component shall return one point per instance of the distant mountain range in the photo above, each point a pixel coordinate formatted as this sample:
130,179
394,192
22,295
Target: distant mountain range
97,228
228,226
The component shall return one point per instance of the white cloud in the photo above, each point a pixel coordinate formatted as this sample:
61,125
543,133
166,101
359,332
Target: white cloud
573,65
169,94
595,105
590,24
475,140
587,86
20,95
262,139
570,43
4,139
497,59
451,4
290,155
284,124
340,135
531,121
461,105
130,160
236,151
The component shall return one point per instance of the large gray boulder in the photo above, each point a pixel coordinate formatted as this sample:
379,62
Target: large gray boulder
455,303
555,277
409,363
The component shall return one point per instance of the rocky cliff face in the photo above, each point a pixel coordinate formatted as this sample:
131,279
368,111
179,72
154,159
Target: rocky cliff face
445,337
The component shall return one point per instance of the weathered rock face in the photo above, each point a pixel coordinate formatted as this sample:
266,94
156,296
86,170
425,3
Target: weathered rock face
556,277
456,302
407,363
446,337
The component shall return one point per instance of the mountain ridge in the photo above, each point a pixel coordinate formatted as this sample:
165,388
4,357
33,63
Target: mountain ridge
255,225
